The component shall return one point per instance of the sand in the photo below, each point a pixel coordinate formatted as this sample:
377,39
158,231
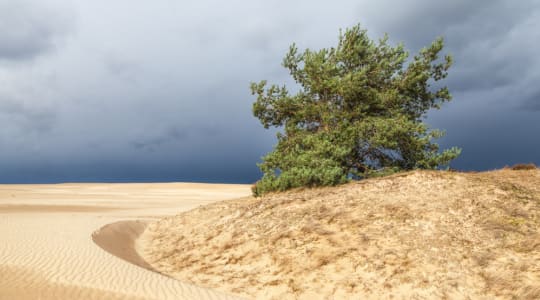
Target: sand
79,241
415,235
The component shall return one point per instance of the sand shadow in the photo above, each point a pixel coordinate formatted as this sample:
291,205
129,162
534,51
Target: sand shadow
119,240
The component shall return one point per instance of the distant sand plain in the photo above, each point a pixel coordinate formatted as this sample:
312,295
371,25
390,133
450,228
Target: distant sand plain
61,241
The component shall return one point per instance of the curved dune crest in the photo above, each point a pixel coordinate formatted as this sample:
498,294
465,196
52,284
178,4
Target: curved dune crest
119,239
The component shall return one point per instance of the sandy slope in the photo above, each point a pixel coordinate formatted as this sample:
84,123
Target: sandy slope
47,231
416,235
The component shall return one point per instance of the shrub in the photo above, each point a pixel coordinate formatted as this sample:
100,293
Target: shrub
529,166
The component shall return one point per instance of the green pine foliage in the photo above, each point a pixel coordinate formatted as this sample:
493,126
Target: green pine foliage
358,113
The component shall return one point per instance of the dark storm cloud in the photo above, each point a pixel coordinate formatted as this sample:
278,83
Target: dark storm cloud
532,101
29,28
159,90
175,135
493,42
28,119
419,21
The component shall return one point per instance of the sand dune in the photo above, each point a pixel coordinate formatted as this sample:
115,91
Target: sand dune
416,235
47,235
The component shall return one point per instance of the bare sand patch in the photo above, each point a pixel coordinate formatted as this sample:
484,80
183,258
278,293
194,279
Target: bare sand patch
47,249
34,208
18,283
416,235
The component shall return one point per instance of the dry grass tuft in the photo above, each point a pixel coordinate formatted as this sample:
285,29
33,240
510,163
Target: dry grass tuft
422,234
529,166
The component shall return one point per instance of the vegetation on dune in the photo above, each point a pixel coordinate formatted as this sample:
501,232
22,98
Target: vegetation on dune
529,166
358,113
413,235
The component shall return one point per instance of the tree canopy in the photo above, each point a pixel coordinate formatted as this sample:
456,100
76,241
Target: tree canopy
358,112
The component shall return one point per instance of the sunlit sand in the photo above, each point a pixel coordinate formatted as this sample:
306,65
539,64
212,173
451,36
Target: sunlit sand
422,234
78,241
415,235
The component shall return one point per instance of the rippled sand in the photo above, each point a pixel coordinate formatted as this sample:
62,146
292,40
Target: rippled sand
77,241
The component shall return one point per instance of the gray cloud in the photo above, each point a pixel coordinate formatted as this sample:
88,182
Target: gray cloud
139,90
30,28
492,42
170,136
25,118
532,101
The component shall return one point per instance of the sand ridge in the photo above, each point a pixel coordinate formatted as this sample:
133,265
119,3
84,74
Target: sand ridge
415,235
47,235
120,239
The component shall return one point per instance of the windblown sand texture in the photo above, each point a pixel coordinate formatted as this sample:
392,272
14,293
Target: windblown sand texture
416,235
78,241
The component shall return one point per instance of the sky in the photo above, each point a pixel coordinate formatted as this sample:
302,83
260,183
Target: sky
133,90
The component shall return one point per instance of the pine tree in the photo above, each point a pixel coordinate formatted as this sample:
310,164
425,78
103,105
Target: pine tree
358,113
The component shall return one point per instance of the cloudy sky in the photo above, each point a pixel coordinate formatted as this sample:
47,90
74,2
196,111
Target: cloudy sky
133,90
